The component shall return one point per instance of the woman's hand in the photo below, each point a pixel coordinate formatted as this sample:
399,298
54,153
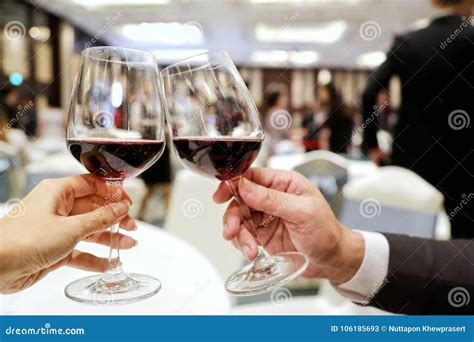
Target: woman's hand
42,232
292,215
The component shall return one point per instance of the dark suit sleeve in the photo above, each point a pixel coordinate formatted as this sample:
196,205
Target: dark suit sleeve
376,82
428,277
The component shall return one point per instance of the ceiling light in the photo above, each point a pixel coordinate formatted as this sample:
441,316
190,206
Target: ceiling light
41,33
324,77
303,57
111,3
190,33
325,33
371,59
281,57
269,57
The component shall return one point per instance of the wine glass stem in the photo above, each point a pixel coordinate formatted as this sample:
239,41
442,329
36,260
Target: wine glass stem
263,259
114,271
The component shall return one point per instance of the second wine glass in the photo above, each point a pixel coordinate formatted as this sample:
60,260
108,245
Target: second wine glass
216,131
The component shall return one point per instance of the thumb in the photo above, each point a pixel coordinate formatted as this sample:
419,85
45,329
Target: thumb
273,202
101,218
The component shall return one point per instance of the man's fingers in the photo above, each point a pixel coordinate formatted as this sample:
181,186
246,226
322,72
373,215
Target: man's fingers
100,219
104,238
222,194
247,243
273,202
231,221
87,262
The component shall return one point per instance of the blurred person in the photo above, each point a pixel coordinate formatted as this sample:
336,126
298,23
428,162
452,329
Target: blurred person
9,97
26,110
311,123
432,136
21,110
3,124
335,132
396,273
276,118
50,221
228,115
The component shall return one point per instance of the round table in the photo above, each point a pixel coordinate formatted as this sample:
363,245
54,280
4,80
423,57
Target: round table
190,284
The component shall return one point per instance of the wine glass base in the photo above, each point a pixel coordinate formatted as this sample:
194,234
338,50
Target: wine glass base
252,280
131,287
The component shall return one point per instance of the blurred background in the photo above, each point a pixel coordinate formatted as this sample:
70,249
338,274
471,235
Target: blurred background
302,59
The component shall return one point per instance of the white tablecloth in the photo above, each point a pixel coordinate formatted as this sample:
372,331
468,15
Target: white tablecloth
190,284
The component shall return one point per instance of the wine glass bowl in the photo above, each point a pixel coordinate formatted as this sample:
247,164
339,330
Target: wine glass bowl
116,131
216,131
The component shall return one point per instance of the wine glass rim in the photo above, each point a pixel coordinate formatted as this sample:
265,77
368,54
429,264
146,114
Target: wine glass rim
210,52
86,52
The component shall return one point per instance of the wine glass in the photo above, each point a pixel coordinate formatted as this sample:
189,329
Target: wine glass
116,130
216,131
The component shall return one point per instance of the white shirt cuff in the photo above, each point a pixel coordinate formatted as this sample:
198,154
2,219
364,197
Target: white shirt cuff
370,277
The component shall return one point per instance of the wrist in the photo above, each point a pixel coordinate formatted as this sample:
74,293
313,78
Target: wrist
349,258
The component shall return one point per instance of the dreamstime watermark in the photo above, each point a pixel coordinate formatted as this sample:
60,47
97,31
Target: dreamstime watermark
193,32
103,119
14,30
459,119
15,208
370,30
287,22
370,208
459,296
109,22
281,120
465,200
192,208
466,22
376,288
377,111
281,297
21,110
96,215
47,329
276,214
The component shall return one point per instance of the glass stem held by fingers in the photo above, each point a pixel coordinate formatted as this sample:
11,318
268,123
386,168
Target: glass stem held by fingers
114,286
114,275
266,272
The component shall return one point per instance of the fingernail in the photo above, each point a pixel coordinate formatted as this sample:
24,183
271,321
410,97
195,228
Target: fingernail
120,208
246,251
133,224
136,243
226,228
246,186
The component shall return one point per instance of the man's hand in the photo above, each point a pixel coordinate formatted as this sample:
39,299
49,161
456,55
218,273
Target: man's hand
292,215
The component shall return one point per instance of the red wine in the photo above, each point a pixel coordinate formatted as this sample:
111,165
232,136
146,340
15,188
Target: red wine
223,158
112,159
